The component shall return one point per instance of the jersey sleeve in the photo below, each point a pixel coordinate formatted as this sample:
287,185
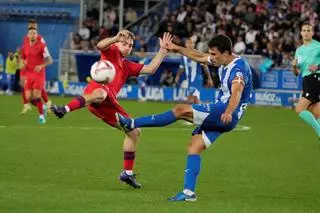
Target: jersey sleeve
42,40
46,52
133,68
238,73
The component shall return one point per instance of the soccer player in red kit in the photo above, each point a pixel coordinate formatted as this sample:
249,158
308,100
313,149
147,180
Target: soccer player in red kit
35,57
101,98
26,106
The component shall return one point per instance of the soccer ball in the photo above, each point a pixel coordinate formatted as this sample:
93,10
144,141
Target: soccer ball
103,71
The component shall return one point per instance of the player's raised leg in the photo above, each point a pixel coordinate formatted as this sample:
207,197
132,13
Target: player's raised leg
306,115
180,111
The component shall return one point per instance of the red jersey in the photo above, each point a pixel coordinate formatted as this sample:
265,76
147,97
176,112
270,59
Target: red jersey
26,41
124,68
34,54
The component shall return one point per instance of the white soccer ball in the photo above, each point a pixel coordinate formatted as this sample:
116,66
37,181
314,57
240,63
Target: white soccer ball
103,71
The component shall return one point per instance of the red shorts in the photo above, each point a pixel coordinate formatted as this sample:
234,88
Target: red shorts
34,82
107,110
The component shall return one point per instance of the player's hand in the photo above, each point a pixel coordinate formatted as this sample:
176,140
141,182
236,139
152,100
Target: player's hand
226,118
313,68
38,68
294,62
166,39
210,83
169,45
59,111
123,35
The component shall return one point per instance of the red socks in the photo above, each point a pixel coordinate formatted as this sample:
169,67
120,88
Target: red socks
76,103
38,103
44,96
128,161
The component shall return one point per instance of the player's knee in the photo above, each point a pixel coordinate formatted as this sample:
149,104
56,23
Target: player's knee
316,112
134,134
196,148
180,110
298,109
29,98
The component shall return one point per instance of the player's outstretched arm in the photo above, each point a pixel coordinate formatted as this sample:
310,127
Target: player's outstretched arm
97,96
190,53
236,92
121,36
158,58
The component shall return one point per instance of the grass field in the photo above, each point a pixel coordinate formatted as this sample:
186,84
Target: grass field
72,165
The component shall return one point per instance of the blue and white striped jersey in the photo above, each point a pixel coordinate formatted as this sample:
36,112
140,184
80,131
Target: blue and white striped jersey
193,69
237,68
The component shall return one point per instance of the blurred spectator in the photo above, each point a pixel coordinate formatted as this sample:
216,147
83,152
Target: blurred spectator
110,16
140,45
182,14
130,16
239,46
11,68
267,27
84,31
75,44
166,78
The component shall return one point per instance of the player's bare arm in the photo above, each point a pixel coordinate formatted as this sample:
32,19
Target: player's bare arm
157,60
178,75
295,68
47,61
121,36
236,91
190,53
207,73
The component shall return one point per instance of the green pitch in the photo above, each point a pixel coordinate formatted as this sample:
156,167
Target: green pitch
72,165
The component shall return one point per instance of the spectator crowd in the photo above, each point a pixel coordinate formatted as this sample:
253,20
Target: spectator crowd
261,27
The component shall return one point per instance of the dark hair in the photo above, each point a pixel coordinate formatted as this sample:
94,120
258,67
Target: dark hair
32,28
222,43
32,21
307,24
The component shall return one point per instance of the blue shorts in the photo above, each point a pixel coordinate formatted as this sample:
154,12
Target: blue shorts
207,117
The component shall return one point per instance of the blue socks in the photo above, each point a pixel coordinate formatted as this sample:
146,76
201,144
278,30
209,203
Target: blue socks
311,120
192,172
155,120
